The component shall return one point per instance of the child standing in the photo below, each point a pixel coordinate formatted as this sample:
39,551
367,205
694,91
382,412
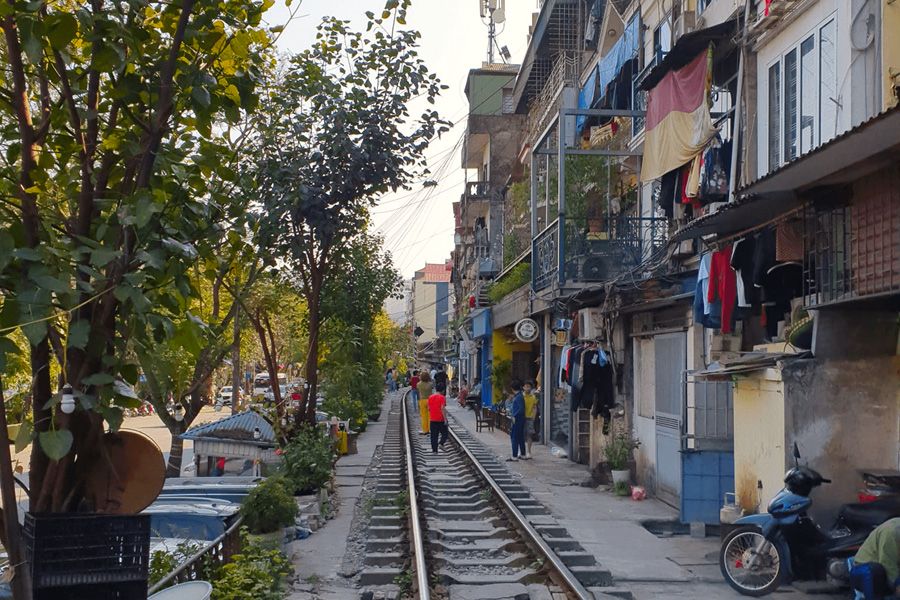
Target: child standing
517,431
530,416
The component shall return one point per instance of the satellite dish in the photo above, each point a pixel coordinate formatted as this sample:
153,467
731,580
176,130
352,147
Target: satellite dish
128,474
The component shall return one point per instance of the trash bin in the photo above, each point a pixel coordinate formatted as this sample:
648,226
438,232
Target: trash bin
192,590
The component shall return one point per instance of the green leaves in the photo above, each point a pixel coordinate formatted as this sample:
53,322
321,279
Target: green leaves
24,436
56,443
7,348
79,332
62,29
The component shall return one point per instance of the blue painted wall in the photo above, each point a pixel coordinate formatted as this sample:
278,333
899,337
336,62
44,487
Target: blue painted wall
705,478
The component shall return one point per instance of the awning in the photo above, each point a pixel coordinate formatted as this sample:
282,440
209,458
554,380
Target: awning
747,363
848,157
687,48
743,214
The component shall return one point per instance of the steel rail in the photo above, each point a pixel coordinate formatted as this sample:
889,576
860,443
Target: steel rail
417,538
556,563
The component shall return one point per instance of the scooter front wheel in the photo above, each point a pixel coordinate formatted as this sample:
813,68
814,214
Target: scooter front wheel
751,564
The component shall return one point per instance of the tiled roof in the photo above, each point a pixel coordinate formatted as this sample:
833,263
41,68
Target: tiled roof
436,273
237,427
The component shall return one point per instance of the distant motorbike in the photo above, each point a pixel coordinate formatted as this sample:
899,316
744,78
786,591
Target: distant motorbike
785,544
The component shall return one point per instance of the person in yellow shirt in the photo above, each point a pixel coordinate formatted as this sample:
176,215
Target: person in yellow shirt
426,388
531,405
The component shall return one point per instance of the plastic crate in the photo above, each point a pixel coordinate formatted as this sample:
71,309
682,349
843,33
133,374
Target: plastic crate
110,591
87,549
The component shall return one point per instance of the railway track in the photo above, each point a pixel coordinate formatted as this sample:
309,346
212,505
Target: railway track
467,528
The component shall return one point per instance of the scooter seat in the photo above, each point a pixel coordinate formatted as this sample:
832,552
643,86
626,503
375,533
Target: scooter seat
871,514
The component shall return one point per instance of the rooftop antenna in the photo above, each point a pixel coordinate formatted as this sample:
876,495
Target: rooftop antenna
495,13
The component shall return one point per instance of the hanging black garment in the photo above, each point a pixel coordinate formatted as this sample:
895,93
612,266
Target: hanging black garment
590,361
763,256
605,397
742,262
668,185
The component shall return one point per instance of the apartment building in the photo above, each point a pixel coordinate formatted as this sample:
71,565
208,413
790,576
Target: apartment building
713,208
432,305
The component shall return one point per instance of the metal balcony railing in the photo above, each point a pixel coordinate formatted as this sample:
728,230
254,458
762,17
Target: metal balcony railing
545,256
596,250
477,190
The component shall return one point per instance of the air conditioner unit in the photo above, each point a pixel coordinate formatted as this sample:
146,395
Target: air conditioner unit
685,23
590,321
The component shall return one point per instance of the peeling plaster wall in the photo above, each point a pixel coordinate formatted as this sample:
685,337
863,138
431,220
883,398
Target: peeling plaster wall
844,415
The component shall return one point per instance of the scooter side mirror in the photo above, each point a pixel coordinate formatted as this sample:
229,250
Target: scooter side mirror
796,455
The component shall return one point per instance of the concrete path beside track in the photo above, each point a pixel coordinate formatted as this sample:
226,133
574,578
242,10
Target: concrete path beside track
610,527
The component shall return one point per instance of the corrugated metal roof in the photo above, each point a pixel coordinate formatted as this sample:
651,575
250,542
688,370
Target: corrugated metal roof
237,427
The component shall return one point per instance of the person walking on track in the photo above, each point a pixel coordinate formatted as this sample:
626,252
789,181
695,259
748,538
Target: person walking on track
426,388
437,412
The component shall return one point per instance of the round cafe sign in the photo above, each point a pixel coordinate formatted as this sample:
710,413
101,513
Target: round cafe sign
527,330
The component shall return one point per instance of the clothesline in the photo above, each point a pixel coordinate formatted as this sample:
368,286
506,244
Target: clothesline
714,245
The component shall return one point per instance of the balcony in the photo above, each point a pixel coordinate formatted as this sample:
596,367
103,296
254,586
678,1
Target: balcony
595,252
478,190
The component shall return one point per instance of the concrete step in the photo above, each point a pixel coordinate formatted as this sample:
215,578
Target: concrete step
384,559
378,532
379,575
592,576
576,558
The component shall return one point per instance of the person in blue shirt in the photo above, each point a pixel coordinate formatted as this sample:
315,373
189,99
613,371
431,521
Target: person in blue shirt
517,413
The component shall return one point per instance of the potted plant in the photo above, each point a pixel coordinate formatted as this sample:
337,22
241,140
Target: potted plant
618,453
268,509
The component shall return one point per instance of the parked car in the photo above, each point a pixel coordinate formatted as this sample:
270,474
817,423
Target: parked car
199,520
224,397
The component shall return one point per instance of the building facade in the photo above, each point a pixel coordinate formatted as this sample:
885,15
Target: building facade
714,221
432,302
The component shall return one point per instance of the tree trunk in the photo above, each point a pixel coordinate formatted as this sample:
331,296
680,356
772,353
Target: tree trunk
176,453
21,581
268,348
308,415
41,394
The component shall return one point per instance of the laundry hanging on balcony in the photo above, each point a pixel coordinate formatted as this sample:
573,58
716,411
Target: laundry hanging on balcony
679,123
602,79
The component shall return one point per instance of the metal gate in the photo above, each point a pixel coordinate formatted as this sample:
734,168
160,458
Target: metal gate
671,361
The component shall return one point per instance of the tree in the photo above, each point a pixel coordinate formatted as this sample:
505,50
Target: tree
109,142
353,300
336,134
179,367
276,314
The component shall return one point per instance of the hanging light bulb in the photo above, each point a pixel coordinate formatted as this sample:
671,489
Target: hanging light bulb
256,433
67,400
179,413
284,421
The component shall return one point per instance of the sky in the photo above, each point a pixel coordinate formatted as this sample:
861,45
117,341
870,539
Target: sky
418,224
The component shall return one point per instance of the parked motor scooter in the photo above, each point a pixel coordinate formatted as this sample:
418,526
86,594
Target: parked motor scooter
785,544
